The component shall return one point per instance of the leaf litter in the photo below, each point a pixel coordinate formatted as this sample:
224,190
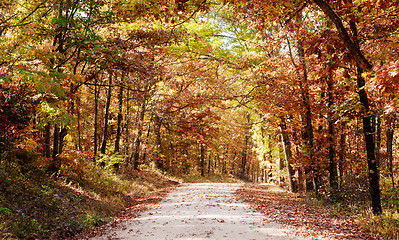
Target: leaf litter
292,211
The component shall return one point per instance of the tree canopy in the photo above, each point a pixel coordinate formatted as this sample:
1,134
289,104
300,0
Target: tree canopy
301,93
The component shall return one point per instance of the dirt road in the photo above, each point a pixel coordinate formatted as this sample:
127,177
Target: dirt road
199,211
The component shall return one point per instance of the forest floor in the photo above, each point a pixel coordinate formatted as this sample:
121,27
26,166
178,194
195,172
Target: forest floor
36,205
300,216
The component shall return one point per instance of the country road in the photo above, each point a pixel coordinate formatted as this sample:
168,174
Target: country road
199,211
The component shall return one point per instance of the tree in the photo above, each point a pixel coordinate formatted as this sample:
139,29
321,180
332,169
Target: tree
362,65
204,87
106,116
266,15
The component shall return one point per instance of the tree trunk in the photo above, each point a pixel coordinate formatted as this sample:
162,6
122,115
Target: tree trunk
56,140
370,147
308,136
127,128
249,163
362,64
357,141
244,155
146,142
233,166
244,158
224,170
311,171
300,179
63,133
307,132
331,141
368,131
342,150
54,166
377,140
158,141
136,152
288,156
47,140
96,96
209,162
79,127
390,132
202,160
281,163
269,146
106,116
119,124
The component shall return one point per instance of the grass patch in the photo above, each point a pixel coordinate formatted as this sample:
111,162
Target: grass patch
385,225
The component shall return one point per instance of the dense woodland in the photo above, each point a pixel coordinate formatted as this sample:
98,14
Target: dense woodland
298,93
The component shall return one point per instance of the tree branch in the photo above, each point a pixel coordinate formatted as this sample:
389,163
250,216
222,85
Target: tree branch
354,50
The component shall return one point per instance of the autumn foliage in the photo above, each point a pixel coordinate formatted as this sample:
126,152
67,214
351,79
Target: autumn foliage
299,93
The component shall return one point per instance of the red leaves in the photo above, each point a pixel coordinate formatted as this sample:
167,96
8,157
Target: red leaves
16,110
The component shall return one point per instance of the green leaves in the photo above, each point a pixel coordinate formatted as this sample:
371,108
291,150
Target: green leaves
5,211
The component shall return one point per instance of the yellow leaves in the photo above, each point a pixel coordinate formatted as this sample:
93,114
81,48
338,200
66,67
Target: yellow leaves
365,74
29,144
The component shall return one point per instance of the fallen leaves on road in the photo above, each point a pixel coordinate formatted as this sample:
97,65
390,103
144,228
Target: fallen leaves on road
140,203
294,213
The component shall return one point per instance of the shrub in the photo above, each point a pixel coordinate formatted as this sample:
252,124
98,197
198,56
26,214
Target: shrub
390,199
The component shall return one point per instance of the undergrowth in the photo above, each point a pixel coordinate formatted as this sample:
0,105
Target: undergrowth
85,193
387,224
383,226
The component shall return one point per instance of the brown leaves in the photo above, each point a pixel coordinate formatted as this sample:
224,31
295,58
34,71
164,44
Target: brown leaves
301,218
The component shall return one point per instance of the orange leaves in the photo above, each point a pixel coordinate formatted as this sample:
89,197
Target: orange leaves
387,78
198,125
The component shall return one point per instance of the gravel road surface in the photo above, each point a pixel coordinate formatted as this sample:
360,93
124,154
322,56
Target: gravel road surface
199,211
